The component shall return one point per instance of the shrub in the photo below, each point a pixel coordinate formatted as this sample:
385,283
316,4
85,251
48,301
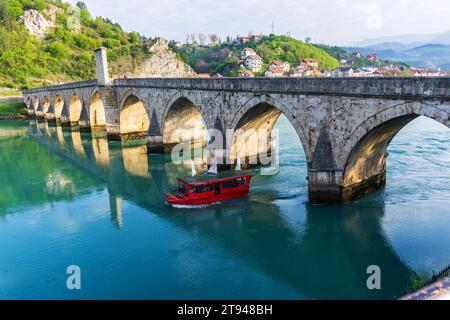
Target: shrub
58,50
133,37
15,8
111,43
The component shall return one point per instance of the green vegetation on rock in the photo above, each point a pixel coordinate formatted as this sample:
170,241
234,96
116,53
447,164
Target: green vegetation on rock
65,53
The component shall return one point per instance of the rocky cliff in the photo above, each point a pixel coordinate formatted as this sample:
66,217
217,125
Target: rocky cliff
163,62
38,23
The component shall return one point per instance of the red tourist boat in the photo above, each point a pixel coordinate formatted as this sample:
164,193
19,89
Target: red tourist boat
206,189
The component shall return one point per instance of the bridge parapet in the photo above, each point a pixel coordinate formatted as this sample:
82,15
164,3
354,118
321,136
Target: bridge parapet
395,87
62,87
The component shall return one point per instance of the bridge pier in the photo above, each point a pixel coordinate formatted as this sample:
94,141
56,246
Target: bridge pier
39,114
50,117
98,129
155,144
64,121
326,187
85,126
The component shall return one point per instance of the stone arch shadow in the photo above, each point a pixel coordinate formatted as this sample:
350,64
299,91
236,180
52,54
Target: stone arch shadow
261,113
96,112
134,117
184,120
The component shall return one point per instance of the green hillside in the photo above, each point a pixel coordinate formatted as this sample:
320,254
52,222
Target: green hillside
65,53
223,58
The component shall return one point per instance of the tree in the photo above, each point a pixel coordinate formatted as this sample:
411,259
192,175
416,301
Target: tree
85,17
81,5
193,38
10,9
58,50
213,38
133,37
202,38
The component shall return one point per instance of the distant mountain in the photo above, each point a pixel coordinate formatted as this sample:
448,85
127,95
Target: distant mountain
443,38
430,50
410,39
414,40
429,55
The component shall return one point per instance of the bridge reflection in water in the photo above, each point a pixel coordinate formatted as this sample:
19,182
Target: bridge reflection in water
320,251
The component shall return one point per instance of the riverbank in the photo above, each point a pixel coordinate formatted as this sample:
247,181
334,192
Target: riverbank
12,109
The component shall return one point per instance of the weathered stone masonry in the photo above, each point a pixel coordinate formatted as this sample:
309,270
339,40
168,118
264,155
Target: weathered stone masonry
344,124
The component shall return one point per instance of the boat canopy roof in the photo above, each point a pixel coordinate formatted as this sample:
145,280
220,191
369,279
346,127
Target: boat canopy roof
211,178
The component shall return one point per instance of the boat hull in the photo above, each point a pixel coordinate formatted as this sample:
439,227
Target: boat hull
194,203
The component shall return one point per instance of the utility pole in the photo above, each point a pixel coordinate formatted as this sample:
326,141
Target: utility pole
273,27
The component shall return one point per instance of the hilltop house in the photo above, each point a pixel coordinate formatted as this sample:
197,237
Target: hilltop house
365,72
372,57
356,54
253,63
280,64
242,40
420,72
275,72
295,74
325,73
244,73
256,37
311,63
247,52
343,72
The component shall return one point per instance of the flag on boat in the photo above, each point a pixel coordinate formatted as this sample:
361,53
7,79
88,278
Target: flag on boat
212,167
193,171
238,164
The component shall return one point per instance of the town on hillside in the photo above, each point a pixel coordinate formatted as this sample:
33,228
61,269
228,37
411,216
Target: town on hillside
251,64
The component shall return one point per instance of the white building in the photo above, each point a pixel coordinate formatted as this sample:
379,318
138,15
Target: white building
253,63
280,64
247,52
343,72
275,73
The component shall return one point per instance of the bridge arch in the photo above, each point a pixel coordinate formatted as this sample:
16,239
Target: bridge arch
58,104
45,104
28,102
134,119
36,103
97,117
75,108
183,121
256,120
364,151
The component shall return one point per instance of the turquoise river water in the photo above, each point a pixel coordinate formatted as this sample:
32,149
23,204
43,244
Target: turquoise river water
72,199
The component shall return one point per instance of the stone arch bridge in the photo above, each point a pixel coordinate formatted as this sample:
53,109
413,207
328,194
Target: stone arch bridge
344,124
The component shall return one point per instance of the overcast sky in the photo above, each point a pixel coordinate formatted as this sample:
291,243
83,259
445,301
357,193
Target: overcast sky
326,21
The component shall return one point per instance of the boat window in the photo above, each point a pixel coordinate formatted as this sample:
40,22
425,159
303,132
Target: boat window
234,183
202,188
182,188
